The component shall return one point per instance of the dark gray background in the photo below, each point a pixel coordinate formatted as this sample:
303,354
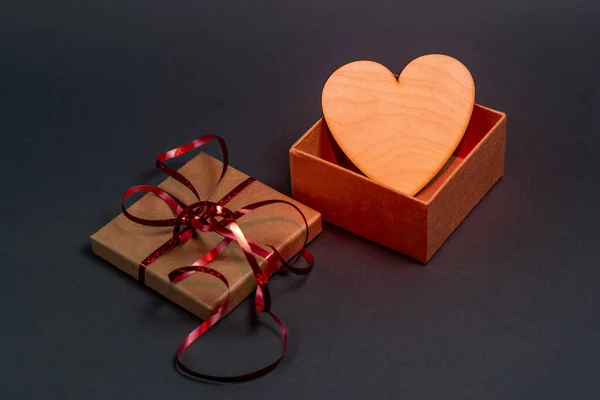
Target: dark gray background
91,91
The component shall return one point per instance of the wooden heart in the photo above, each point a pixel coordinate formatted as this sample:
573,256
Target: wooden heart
399,131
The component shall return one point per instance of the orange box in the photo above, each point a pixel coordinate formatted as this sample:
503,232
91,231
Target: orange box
324,179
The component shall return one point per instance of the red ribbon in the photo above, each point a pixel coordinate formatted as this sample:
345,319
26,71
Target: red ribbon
208,216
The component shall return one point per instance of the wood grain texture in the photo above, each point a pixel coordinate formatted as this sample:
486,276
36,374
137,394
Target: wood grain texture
400,131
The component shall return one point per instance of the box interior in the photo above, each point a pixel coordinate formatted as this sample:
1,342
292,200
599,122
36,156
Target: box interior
320,143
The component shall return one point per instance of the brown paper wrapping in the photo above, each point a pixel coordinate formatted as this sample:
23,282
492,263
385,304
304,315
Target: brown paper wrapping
417,226
125,244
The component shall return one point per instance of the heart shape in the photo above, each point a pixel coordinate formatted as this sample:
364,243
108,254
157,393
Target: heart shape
399,131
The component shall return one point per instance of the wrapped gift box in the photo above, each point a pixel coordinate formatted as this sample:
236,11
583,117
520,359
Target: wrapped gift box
417,226
125,244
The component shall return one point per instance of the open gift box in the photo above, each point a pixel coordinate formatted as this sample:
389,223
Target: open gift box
324,179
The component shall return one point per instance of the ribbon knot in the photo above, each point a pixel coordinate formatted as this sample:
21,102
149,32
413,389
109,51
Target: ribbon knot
209,216
187,216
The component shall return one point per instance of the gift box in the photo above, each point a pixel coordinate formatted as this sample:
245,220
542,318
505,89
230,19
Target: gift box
125,244
417,226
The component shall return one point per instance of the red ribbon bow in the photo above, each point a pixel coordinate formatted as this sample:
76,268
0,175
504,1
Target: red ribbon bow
208,216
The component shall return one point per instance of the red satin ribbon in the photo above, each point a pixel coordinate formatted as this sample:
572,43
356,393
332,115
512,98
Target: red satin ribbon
207,216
